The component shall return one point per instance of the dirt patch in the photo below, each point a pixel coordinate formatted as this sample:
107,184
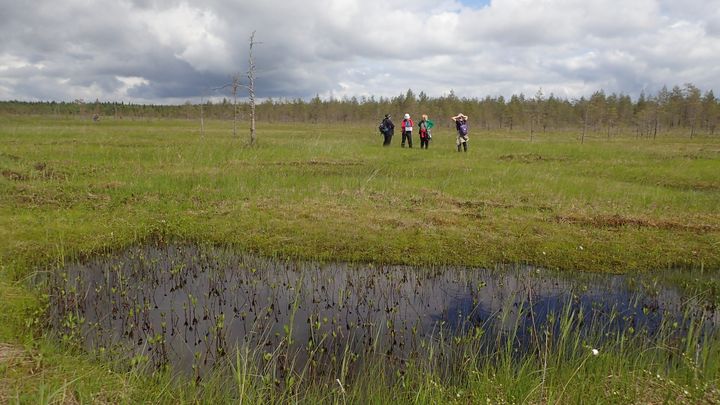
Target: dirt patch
619,221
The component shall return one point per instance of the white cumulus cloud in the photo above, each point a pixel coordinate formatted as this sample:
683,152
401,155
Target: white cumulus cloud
172,50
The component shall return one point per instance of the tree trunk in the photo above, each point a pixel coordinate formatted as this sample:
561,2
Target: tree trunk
251,90
531,127
236,80
202,120
608,131
585,120
655,129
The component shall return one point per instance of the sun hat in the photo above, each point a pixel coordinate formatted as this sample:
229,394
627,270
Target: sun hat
407,116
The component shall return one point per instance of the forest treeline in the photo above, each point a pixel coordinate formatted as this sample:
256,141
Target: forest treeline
686,109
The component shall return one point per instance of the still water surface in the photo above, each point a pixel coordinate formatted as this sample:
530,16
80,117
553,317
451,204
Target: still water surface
187,306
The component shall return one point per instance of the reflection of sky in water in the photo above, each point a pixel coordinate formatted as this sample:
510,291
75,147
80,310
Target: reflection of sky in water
182,294
605,300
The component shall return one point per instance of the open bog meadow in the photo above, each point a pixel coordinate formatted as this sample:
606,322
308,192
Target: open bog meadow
141,261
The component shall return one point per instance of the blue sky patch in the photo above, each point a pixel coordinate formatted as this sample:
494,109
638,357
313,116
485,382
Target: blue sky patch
475,3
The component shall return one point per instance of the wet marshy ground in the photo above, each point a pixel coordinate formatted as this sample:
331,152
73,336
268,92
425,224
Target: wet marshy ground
187,307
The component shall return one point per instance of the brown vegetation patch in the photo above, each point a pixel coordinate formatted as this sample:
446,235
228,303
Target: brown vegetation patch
9,156
44,172
125,145
654,388
317,167
397,223
527,158
479,204
376,197
112,185
443,220
619,221
12,356
710,152
315,162
13,175
476,209
47,172
691,186
28,196
464,204
35,200
694,156
692,152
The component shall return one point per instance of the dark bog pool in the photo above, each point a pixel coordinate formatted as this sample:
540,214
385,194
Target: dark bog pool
187,307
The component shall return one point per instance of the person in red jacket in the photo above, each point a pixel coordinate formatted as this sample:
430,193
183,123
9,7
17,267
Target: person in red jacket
407,127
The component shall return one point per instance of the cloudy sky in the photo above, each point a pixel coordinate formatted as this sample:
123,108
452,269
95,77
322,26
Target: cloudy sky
170,51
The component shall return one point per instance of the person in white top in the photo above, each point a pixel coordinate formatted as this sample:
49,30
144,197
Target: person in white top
407,127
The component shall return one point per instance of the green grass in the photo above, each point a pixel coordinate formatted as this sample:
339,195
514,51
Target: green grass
72,187
69,188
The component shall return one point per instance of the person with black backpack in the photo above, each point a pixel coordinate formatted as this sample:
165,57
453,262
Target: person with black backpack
387,129
462,130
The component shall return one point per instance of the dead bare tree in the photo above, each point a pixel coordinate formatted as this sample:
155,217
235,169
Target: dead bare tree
585,123
202,117
235,84
251,89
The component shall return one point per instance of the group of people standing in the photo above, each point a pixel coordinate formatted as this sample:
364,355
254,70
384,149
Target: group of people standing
387,129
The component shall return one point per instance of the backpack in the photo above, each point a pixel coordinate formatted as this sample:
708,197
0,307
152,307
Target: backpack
423,128
463,128
382,128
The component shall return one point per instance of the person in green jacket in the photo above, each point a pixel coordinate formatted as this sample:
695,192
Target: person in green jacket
425,134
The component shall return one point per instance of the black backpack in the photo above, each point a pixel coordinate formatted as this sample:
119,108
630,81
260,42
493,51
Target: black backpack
383,128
